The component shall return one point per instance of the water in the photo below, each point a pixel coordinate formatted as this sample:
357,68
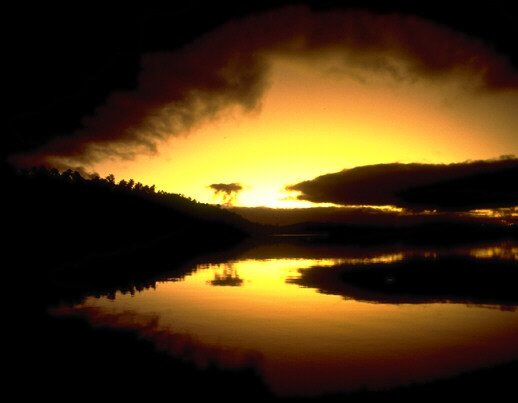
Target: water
254,310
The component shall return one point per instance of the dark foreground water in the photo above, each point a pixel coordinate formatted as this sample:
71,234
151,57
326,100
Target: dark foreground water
320,319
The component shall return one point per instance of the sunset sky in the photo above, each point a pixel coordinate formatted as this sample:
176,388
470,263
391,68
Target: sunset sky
279,97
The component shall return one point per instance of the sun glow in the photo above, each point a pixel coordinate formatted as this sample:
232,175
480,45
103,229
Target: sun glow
314,120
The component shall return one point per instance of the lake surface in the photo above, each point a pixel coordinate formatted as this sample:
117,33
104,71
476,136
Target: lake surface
252,310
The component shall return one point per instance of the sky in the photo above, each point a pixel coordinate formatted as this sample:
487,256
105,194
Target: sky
254,108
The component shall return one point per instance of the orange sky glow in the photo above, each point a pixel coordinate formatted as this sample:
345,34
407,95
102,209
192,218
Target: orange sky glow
263,105
317,119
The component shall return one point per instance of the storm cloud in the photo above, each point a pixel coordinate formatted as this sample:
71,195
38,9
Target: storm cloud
451,187
230,67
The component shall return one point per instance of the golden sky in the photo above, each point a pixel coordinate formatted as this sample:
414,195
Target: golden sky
317,119
288,95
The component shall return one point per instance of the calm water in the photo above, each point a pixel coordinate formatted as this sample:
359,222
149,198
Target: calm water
249,311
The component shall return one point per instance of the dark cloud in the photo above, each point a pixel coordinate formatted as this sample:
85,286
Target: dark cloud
455,187
177,90
228,191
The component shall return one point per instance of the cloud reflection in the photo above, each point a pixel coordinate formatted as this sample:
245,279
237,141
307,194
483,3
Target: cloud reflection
485,277
227,277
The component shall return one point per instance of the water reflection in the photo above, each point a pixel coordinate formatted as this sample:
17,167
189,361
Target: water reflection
307,326
227,276
419,280
387,258
507,251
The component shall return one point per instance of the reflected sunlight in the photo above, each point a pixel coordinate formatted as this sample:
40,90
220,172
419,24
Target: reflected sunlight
509,252
304,341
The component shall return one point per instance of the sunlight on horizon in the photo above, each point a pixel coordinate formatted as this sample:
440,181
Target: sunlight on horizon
315,121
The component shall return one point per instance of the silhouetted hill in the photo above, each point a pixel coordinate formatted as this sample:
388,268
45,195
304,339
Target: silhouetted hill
67,236
63,226
65,229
